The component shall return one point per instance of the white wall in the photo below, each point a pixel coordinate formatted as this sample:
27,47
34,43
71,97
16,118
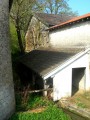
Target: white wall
77,34
62,81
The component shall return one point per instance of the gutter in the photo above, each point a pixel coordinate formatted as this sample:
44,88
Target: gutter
68,62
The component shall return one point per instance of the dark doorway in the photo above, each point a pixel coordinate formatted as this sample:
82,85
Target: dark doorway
78,80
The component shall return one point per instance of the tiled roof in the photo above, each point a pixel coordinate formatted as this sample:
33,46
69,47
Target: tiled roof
52,19
45,60
74,20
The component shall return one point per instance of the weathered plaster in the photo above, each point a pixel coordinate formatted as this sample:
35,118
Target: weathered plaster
74,35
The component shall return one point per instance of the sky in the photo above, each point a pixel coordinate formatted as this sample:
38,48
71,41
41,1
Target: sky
81,6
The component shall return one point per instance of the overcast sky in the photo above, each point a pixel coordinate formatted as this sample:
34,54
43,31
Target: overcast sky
81,6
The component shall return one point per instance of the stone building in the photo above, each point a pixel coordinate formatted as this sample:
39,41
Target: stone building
37,35
74,32
64,71
64,64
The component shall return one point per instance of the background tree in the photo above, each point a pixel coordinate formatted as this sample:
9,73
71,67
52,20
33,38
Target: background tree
21,14
56,7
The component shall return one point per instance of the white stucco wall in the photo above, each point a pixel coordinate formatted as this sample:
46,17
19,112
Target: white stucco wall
76,34
62,81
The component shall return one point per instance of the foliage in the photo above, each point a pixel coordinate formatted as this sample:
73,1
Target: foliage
21,11
15,49
52,112
34,101
57,7
13,39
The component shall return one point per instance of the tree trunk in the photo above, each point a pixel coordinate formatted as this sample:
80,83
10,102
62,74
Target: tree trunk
19,36
7,99
20,40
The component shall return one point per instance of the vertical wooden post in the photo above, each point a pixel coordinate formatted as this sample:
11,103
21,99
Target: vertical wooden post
45,87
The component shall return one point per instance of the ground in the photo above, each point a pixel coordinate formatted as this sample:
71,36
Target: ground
37,110
81,100
36,107
77,106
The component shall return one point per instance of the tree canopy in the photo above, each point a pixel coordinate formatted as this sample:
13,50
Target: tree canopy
56,7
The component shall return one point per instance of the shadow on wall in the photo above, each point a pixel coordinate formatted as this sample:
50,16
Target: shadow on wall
29,78
78,79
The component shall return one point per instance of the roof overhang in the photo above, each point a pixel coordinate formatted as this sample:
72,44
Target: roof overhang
68,62
78,19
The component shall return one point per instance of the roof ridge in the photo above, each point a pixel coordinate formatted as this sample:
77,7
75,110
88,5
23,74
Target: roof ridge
52,19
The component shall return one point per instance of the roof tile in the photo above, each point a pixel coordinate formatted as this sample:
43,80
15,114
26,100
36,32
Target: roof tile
71,21
45,60
52,19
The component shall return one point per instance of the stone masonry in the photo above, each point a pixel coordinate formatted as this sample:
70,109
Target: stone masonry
7,101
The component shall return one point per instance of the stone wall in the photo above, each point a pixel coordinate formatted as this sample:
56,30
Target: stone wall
36,35
7,101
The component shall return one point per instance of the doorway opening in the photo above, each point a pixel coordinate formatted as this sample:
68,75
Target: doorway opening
78,80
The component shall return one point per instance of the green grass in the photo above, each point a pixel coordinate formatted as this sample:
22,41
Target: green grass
51,112
33,101
79,103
